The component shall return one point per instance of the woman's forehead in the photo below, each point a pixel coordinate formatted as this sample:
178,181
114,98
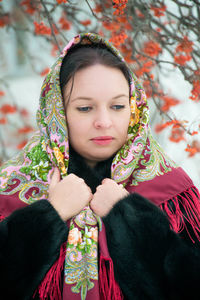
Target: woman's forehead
99,75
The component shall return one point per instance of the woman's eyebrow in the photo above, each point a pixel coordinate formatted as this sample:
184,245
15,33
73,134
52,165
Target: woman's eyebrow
81,98
88,98
121,95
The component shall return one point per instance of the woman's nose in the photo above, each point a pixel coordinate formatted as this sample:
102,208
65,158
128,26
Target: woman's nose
103,120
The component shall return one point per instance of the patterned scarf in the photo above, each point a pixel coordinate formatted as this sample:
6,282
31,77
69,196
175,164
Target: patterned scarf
28,175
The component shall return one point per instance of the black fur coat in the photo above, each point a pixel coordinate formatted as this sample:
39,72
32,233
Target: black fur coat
150,261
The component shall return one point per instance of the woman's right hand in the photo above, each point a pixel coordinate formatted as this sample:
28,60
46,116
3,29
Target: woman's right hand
68,195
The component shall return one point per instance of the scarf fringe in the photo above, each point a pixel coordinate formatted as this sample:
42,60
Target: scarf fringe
1,218
188,202
108,287
50,286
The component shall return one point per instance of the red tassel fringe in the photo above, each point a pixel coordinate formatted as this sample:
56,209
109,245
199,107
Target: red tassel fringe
50,286
188,200
108,287
1,218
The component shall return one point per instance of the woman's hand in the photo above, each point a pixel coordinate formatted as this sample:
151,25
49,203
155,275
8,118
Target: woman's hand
106,196
69,195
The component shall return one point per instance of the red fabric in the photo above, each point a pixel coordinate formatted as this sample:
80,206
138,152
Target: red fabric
141,150
1,218
163,188
10,203
108,287
174,185
50,286
189,201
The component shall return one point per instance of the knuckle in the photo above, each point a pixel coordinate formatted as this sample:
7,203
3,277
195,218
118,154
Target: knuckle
81,180
99,187
71,175
107,180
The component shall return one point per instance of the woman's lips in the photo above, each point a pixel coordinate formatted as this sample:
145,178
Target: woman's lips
102,140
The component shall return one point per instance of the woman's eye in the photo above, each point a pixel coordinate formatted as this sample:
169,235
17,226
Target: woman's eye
84,108
118,107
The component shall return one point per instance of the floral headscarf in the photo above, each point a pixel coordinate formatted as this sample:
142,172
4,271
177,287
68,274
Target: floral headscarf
49,146
139,160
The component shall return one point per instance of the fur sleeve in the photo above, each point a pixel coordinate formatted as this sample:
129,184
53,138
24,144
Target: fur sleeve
30,241
182,262
151,261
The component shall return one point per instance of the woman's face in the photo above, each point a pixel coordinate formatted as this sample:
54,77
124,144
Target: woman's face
98,112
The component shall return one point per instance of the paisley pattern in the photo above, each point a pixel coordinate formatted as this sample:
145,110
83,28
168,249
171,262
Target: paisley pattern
152,163
140,159
81,264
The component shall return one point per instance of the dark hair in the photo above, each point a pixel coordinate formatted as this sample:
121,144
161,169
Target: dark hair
83,56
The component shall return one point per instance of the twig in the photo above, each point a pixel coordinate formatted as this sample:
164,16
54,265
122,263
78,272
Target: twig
105,18
50,23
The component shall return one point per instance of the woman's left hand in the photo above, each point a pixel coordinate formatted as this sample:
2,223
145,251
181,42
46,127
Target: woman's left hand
106,196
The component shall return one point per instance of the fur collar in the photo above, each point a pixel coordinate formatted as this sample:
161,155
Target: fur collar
92,176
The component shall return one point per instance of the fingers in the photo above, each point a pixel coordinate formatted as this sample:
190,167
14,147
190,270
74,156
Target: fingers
81,181
92,204
121,185
72,181
106,180
55,177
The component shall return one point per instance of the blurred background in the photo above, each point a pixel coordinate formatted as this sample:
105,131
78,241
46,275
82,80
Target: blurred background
159,39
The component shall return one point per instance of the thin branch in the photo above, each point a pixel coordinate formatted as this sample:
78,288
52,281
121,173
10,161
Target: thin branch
105,18
50,23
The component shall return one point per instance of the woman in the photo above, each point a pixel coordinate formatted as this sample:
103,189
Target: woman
130,216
